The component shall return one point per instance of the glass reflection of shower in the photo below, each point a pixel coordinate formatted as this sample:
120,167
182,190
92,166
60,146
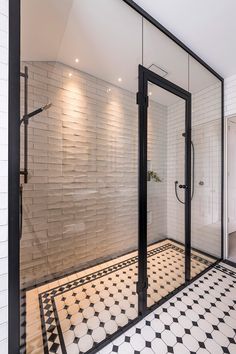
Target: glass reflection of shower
182,186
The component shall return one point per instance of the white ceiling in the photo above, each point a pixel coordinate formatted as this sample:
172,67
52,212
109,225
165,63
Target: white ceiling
208,27
106,36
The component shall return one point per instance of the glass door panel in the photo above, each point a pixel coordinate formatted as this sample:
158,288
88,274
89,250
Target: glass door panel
164,187
165,193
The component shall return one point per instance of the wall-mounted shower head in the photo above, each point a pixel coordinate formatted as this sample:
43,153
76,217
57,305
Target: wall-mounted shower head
184,135
34,113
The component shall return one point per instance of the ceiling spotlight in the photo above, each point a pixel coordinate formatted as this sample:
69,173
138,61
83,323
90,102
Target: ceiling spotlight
76,60
109,90
70,74
120,79
150,93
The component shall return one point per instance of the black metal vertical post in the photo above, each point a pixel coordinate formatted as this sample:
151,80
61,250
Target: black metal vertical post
26,123
188,172
222,170
142,236
14,178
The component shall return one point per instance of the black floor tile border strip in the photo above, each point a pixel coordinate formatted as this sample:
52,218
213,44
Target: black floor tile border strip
194,249
62,343
96,275
226,270
230,263
23,322
43,327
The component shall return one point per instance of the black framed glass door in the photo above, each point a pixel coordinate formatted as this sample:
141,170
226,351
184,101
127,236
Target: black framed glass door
164,188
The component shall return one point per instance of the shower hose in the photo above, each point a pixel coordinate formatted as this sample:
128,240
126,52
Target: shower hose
180,186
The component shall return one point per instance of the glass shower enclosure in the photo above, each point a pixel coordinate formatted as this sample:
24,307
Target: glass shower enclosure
123,201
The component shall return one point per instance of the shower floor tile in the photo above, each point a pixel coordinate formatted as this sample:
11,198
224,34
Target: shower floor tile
199,319
75,313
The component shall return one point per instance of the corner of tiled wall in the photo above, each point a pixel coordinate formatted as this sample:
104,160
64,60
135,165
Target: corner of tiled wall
3,174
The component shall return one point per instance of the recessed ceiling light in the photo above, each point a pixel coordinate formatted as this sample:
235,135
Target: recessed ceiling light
76,60
109,90
70,74
120,79
150,93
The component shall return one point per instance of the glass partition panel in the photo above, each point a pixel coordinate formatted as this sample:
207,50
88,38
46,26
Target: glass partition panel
80,217
163,56
206,163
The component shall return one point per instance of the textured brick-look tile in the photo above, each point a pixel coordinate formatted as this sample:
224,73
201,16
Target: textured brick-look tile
83,173
80,311
208,325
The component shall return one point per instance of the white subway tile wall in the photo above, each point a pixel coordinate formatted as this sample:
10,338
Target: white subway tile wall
3,174
157,162
230,95
175,170
206,203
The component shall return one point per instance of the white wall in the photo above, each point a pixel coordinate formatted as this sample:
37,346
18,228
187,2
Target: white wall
3,172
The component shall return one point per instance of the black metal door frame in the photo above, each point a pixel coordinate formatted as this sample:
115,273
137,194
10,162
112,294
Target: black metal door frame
145,76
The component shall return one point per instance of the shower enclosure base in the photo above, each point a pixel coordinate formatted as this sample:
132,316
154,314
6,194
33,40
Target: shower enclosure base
78,312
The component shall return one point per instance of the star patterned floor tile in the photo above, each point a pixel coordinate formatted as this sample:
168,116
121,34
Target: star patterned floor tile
76,313
199,319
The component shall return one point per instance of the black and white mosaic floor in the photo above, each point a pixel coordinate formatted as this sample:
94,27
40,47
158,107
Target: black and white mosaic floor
200,319
74,314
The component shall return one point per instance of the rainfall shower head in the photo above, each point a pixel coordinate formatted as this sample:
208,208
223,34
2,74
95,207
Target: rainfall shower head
34,113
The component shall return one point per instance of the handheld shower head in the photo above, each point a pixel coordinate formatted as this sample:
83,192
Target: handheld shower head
34,113
47,106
